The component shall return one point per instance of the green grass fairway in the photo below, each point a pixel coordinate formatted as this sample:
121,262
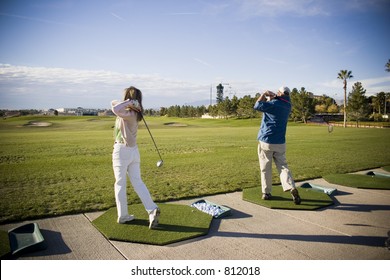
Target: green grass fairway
311,200
65,168
359,181
177,223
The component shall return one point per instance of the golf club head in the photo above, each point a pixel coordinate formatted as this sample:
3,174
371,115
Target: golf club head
160,163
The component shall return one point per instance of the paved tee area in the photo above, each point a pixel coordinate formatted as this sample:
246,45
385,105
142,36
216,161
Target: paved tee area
355,227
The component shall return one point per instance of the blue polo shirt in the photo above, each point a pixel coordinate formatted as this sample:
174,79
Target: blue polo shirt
275,117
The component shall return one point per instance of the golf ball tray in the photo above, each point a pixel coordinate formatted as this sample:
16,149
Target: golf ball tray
215,210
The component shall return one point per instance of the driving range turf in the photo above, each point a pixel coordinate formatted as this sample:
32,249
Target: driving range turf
311,200
360,181
65,168
172,227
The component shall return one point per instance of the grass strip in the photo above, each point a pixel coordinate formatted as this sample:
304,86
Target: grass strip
359,181
386,168
311,200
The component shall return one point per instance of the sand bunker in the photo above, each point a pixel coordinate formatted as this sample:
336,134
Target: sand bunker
175,124
40,124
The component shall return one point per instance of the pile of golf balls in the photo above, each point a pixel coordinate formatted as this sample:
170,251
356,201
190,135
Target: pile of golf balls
212,210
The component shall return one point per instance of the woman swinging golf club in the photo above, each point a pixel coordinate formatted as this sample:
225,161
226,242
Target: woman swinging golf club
126,157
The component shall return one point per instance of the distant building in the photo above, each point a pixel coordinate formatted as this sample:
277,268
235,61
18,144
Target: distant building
312,95
208,116
79,111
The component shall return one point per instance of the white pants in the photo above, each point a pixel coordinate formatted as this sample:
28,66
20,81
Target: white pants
126,161
277,152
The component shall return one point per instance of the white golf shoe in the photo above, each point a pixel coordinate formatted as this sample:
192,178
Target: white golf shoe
153,218
125,219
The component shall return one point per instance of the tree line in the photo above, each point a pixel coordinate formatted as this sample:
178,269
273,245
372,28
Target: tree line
304,106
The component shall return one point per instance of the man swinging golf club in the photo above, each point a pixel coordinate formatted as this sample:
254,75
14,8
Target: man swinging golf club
272,141
126,157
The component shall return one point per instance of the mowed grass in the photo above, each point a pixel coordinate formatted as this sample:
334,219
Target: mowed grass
66,167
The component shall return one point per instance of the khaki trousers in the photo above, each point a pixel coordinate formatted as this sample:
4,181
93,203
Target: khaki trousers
277,152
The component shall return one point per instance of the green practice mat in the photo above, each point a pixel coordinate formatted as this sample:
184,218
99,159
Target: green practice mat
359,181
311,200
176,223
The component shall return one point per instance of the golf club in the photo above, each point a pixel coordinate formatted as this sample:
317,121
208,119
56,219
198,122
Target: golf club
160,162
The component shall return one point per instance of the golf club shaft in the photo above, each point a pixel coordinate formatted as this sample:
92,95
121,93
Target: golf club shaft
147,127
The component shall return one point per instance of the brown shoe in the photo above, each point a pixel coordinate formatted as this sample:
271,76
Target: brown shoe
296,197
266,196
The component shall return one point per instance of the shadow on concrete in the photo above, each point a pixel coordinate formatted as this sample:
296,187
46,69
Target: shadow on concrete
213,230
236,215
374,241
362,207
55,245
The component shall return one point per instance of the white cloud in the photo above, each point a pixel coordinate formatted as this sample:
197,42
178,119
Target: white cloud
273,60
363,5
375,85
202,62
182,14
305,8
213,9
88,88
372,85
43,87
117,16
274,8
35,19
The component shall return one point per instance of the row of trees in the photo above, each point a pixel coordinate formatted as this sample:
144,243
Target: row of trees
182,111
234,107
305,106
13,113
358,106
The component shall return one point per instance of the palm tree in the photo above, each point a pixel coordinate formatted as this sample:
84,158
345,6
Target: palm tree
345,75
388,66
387,94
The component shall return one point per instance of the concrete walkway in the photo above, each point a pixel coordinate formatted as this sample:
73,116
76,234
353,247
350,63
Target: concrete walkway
355,227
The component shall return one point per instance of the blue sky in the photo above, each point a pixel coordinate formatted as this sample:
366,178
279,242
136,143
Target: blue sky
73,53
